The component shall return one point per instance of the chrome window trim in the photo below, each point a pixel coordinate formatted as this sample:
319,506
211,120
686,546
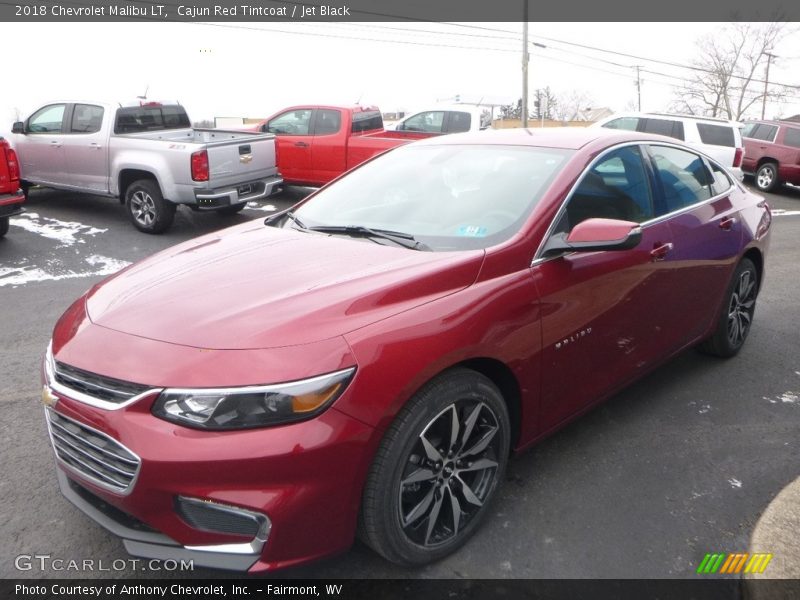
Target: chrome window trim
59,388
82,475
539,259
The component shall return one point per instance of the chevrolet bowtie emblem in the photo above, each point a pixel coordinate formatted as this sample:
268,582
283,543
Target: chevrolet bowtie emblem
48,398
245,158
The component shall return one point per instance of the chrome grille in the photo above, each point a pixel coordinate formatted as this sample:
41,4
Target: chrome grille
92,454
97,386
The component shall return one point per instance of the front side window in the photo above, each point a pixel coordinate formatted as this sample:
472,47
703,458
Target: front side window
427,122
684,178
616,187
47,120
294,122
86,118
450,197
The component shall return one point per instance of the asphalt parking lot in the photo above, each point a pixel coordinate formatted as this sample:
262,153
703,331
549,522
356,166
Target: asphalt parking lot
681,464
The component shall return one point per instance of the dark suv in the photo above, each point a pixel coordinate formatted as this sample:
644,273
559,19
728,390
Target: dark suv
772,153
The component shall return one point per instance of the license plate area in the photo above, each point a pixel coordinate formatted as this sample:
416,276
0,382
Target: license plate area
244,190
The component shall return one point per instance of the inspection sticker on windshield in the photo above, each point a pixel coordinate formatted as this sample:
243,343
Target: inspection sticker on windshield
472,231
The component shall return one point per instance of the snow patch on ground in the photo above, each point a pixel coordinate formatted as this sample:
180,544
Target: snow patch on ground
789,398
103,265
735,483
261,207
65,233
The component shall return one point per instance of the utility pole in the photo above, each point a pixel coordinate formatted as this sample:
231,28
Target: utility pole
638,86
766,83
525,57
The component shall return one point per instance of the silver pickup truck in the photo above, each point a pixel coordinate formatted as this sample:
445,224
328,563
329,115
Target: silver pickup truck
148,156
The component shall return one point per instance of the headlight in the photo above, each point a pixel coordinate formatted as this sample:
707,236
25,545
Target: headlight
253,406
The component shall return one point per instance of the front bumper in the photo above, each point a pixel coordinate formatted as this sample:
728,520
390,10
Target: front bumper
141,540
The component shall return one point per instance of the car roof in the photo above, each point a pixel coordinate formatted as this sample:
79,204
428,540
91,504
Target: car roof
568,138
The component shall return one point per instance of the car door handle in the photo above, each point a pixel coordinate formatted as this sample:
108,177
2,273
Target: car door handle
55,144
660,251
727,224
301,144
95,146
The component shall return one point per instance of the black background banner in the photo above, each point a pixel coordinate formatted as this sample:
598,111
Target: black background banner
399,589
397,10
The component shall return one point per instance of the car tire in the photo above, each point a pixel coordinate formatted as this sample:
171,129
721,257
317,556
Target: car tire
736,315
766,177
147,209
26,188
3,226
231,210
437,469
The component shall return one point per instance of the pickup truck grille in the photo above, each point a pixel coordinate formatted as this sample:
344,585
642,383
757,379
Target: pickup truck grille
97,386
92,454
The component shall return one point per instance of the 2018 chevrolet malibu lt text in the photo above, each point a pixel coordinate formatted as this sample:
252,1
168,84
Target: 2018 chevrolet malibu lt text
367,361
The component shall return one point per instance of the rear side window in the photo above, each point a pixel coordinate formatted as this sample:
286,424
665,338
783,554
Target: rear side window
792,137
765,132
459,122
366,120
716,135
136,119
747,130
328,122
685,179
722,183
86,118
669,128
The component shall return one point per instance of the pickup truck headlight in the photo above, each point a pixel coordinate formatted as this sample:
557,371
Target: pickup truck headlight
220,409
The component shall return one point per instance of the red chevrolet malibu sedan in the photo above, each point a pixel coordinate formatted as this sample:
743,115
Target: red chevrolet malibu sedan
367,361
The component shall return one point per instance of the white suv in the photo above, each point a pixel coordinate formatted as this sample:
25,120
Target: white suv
719,138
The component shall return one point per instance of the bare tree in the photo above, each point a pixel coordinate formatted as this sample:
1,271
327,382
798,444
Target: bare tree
730,66
572,105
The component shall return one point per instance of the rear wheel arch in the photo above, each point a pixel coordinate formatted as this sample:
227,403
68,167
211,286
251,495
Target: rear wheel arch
129,176
755,256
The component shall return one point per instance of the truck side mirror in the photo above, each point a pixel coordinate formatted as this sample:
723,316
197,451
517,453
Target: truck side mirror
18,127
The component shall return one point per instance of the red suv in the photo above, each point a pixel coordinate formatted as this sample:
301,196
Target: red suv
772,153
11,196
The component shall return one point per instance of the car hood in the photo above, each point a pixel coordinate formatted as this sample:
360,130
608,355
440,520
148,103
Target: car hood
253,286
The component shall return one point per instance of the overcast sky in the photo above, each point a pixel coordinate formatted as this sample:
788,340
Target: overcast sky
255,69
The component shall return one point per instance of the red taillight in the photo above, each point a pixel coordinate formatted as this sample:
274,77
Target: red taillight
200,165
737,157
13,164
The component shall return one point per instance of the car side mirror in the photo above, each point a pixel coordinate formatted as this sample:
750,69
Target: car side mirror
18,127
594,235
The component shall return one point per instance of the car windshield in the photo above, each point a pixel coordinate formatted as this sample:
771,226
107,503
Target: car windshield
448,197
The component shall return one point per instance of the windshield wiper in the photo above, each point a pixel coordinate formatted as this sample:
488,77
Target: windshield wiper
289,215
406,240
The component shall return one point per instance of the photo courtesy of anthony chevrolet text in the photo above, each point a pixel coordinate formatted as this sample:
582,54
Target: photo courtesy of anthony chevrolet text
359,299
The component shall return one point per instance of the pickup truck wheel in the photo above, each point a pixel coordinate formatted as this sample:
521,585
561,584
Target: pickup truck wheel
3,226
147,208
231,210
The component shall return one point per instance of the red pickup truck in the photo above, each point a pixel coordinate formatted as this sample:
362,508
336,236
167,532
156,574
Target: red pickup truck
11,196
318,143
